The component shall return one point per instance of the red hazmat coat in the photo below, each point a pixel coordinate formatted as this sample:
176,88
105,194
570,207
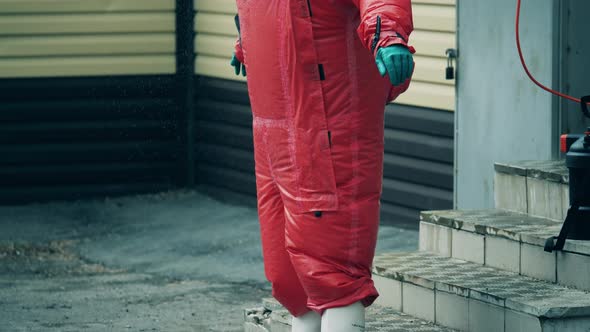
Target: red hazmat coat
318,114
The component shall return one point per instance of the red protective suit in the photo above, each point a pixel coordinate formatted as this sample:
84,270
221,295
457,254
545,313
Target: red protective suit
318,107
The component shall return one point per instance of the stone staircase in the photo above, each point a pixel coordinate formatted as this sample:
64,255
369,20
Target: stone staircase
482,270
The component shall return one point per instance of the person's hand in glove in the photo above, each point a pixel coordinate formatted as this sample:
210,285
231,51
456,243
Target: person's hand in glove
238,66
397,61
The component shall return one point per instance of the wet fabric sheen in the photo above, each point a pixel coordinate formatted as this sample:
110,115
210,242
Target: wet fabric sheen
318,102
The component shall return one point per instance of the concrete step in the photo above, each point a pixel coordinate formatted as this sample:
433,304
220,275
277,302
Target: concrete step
272,317
539,188
471,297
506,240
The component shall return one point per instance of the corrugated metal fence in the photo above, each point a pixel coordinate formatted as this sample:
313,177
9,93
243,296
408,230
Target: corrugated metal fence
76,38
87,98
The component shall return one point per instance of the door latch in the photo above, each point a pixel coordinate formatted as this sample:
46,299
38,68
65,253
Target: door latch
451,56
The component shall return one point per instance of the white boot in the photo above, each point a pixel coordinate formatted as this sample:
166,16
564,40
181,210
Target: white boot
344,319
310,322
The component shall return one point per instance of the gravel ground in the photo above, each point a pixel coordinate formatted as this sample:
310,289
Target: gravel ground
174,261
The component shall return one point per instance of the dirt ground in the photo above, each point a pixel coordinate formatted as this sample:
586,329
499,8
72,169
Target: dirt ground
175,261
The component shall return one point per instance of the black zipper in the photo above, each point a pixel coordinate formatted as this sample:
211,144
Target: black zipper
322,72
377,35
309,7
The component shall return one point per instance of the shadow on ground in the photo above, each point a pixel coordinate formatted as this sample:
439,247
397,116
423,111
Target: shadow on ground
175,261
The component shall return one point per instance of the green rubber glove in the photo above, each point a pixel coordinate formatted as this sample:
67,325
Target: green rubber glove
397,61
238,65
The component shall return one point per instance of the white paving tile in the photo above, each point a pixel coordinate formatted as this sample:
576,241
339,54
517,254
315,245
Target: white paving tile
537,263
452,310
390,292
435,238
418,301
510,192
468,246
519,322
485,317
502,253
573,270
544,199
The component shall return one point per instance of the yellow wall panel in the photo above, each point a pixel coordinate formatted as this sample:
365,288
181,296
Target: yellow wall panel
220,46
87,45
71,6
216,67
86,23
42,38
429,95
432,70
434,18
83,66
217,6
432,43
213,23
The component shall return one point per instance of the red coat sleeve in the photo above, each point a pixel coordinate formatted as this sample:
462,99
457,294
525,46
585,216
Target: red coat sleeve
395,18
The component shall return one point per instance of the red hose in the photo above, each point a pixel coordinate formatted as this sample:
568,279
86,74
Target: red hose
526,69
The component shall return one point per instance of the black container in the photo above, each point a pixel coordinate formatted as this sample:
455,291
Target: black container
577,222
578,162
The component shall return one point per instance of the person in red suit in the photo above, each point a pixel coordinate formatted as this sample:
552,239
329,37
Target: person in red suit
320,73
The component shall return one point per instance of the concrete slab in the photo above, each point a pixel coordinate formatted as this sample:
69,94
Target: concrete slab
161,262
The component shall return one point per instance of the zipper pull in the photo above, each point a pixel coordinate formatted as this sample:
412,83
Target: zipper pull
377,35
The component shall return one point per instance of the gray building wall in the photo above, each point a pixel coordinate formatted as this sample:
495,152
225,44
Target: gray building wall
501,115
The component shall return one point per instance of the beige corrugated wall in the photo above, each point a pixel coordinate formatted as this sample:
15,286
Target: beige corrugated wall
41,38
435,27
215,39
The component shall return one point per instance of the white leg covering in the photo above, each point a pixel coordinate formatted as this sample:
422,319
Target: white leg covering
310,322
344,319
